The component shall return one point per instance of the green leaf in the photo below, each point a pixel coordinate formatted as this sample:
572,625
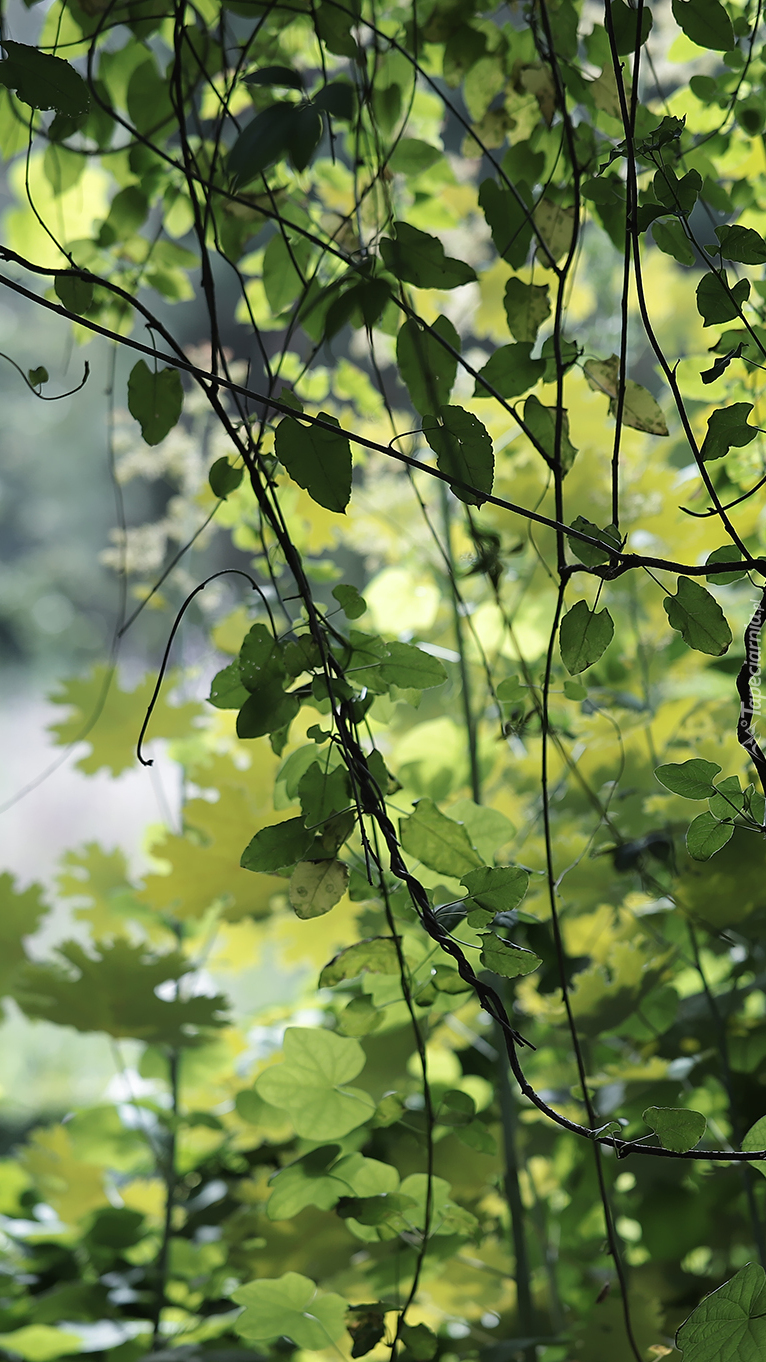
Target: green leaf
316,887
410,156
584,637
21,913
496,889
741,244
275,848
155,398
511,370
640,410
717,302
511,692
360,1017
223,478
509,219
311,1084
286,269
729,1325
267,709
420,1341
289,1305
705,22
307,1182
351,603
625,26
677,1128
698,618
38,376
409,667
323,791
755,1141
726,554
76,294
318,460
226,689
418,258
276,75
375,955
113,991
43,81
304,135
678,194
541,422
693,779
488,828
727,428
526,306
427,367
437,841
338,98
506,959
463,450
672,239
588,553
264,141
729,798
706,835
40,1342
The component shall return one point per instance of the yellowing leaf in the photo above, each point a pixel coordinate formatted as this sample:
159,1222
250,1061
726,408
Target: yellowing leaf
72,1186
110,719
640,410
316,887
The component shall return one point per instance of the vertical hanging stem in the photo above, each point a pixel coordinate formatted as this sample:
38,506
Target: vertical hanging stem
516,1210
465,680
168,1170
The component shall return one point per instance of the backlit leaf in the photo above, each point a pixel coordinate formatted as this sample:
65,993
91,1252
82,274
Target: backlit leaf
316,459
510,370
290,1305
727,428
439,842
427,367
496,889
729,1325
719,302
316,887
155,398
693,779
640,409
418,258
754,1141
376,955
706,835
311,1084
698,618
677,1128
584,637
277,847
409,667
506,959
706,22
113,991
509,218
742,244
542,425
526,306
463,449
42,80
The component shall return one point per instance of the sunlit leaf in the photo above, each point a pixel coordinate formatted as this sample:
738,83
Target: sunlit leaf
290,1306
677,1128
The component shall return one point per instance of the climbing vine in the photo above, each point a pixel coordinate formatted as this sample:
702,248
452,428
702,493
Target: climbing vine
487,625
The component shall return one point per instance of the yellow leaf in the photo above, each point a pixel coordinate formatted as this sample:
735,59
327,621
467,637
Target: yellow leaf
71,1186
